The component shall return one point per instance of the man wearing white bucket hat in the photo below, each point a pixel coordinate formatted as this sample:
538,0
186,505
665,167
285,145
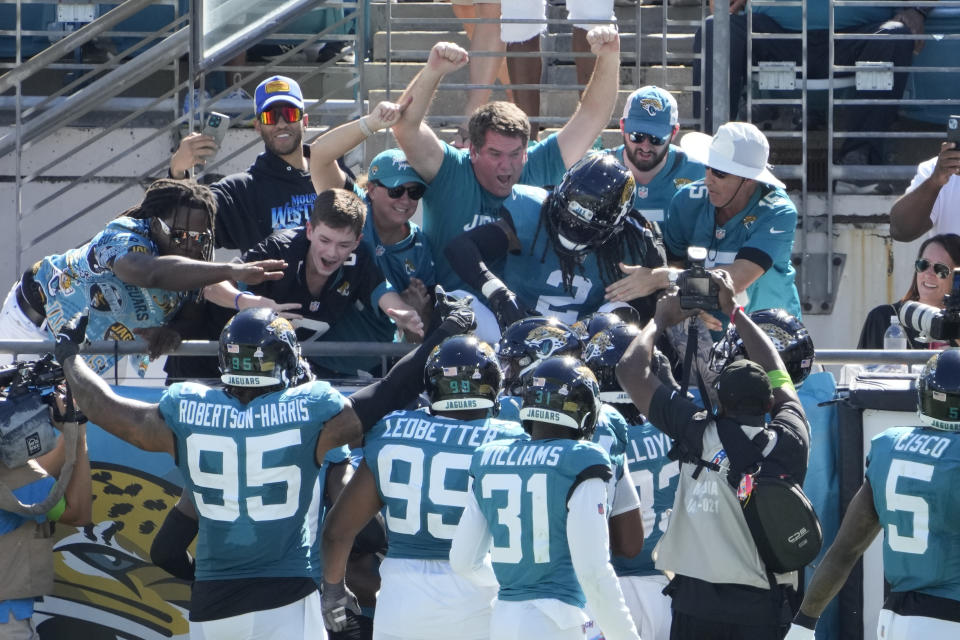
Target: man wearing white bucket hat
739,212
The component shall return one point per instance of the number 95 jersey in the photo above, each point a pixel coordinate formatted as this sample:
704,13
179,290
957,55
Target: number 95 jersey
420,463
522,489
914,473
251,470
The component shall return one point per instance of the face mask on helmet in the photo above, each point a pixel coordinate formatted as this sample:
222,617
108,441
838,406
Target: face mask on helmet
462,374
589,204
528,341
564,392
790,338
602,354
259,348
938,391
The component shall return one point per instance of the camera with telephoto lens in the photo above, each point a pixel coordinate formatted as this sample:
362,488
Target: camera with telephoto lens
697,290
931,322
26,394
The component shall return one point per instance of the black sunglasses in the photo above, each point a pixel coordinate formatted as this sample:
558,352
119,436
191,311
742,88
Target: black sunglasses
637,137
717,173
415,192
942,270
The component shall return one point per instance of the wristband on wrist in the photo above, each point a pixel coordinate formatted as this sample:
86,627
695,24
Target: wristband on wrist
804,620
733,314
364,127
491,286
236,299
780,378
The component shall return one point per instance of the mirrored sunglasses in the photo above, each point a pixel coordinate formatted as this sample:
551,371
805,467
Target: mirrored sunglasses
942,270
415,192
180,237
273,114
637,137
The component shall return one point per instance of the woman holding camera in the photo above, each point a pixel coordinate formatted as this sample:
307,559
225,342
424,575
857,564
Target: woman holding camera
939,255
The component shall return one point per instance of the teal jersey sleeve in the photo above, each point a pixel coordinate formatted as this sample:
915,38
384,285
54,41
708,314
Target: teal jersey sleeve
655,476
914,473
682,213
544,166
251,470
420,463
522,488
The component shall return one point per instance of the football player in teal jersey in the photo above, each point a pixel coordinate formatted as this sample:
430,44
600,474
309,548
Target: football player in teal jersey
649,124
249,454
740,212
524,344
655,478
559,250
415,470
910,493
539,508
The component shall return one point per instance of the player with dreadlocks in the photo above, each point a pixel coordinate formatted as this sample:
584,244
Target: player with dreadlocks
133,276
559,248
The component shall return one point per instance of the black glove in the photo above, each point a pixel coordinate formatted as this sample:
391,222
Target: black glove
71,336
455,310
503,303
335,599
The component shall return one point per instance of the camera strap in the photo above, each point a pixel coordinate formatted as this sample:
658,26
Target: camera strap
9,502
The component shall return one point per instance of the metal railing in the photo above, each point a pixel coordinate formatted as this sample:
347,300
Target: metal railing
96,88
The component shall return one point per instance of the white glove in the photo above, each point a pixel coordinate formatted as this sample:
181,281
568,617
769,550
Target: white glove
799,632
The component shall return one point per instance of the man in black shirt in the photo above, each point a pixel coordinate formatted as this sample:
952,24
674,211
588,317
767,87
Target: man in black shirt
722,588
328,271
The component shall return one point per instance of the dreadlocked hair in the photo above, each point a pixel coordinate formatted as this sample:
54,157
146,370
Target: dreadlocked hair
631,243
164,196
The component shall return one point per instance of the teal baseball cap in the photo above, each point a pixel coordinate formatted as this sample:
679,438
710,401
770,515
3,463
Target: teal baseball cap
391,169
650,110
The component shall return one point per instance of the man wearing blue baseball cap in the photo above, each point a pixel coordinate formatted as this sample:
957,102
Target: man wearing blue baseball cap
276,191
649,125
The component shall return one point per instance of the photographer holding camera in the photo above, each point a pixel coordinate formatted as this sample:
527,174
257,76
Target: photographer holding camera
722,588
56,484
739,212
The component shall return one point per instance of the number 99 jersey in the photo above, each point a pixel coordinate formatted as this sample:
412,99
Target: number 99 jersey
251,470
522,490
420,463
914,473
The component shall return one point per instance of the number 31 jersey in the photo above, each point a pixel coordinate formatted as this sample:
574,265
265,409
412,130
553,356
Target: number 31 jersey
522,489
420,463
251,471
914,473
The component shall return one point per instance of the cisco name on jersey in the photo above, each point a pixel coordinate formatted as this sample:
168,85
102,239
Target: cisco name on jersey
420,425
926,444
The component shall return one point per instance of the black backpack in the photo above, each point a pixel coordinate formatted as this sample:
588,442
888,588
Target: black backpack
783,523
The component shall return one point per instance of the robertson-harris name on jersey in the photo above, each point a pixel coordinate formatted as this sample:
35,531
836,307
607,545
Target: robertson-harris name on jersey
531,454
417,428
223,416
